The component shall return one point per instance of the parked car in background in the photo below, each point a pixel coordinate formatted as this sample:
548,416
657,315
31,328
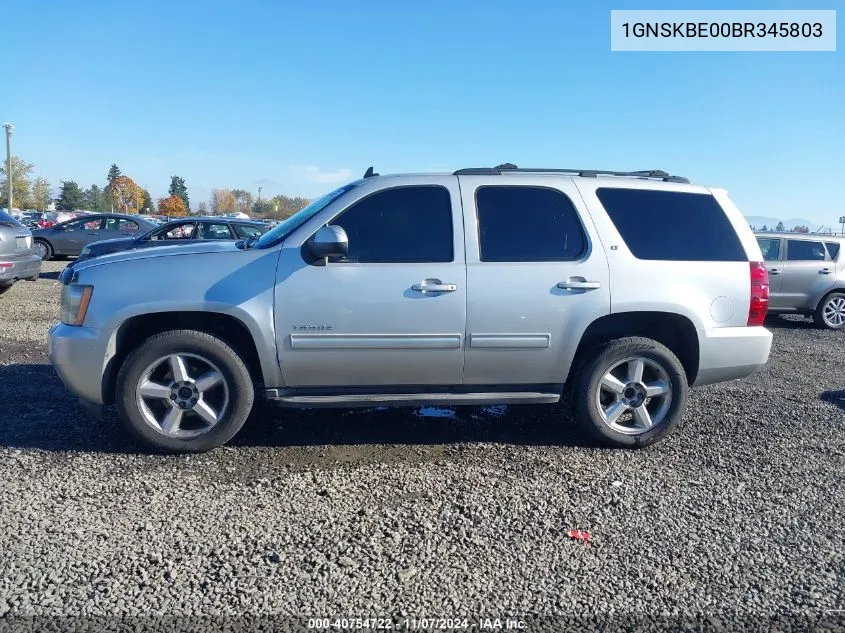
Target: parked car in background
18,259
70,237
183,231
806,276
489,285
30,219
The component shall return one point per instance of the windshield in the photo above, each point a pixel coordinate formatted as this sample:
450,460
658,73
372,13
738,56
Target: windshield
288,226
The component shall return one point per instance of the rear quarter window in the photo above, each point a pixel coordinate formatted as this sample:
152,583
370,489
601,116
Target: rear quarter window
672,225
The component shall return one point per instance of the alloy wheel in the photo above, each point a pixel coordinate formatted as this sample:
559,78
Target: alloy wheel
833,312
182,395
634,395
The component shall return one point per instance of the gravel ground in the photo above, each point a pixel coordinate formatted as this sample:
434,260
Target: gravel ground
428,512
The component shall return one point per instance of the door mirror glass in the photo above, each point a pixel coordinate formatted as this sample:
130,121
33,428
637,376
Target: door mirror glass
329,241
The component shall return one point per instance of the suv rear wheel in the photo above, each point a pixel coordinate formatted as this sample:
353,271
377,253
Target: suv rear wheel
831,312
184,391
631,393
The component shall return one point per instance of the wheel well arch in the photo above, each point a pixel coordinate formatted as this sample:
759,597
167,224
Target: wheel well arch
673,330
825,295
134,330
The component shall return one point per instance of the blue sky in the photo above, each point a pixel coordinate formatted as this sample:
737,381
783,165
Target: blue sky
299,96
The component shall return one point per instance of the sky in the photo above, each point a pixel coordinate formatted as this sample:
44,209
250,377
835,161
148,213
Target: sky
299,97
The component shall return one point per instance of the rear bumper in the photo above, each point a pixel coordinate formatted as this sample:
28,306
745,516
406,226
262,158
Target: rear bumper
19,267
79,355
732,352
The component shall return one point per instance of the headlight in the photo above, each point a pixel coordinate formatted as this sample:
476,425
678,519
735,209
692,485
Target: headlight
75,300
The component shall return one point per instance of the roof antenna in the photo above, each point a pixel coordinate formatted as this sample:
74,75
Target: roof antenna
369,173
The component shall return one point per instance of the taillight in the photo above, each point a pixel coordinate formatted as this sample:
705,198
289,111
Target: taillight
759,304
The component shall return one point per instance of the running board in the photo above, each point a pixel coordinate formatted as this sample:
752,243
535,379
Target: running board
412,399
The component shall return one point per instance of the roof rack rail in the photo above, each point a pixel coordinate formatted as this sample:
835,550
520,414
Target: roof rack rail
586,173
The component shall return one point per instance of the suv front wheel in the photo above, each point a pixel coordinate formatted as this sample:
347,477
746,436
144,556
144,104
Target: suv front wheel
631,393
184,391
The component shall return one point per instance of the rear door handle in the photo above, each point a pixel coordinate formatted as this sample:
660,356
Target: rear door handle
824,271
774,271
434,285
578,284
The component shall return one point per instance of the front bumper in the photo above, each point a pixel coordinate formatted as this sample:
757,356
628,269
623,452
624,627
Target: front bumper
80,356
19,267
732,352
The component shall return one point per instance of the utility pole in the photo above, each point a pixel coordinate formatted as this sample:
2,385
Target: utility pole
259,194
9,127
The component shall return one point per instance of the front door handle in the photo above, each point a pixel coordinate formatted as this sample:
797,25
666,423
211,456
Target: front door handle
774,271
824,271
434,285
93,234
575,283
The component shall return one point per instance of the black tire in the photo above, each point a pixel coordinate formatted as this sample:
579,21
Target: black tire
48,252
4,288
231,366
819,316
594,368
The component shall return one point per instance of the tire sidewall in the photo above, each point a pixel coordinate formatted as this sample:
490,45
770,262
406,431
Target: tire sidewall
241,391
608,356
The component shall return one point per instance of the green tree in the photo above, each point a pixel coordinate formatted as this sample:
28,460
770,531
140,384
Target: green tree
114,172
780,227
147,205
178,188
263,208
21,172
40,194
95,199
765,228
71,197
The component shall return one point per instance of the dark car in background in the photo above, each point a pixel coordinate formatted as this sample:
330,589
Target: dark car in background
69,238
181,231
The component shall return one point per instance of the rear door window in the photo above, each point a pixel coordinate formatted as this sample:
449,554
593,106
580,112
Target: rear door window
770,247
527,224
214,231
805,251
672,225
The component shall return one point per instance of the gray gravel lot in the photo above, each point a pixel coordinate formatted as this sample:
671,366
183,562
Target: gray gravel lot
458,512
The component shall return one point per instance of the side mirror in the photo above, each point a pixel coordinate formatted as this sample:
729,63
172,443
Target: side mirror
328,241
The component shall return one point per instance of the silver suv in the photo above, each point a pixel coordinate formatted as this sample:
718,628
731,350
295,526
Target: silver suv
807,276
489,285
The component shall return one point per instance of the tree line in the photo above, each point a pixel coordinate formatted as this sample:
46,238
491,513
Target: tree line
781,228
122,194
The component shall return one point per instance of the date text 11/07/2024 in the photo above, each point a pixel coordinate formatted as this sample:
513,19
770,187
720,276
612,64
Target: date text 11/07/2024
417,624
